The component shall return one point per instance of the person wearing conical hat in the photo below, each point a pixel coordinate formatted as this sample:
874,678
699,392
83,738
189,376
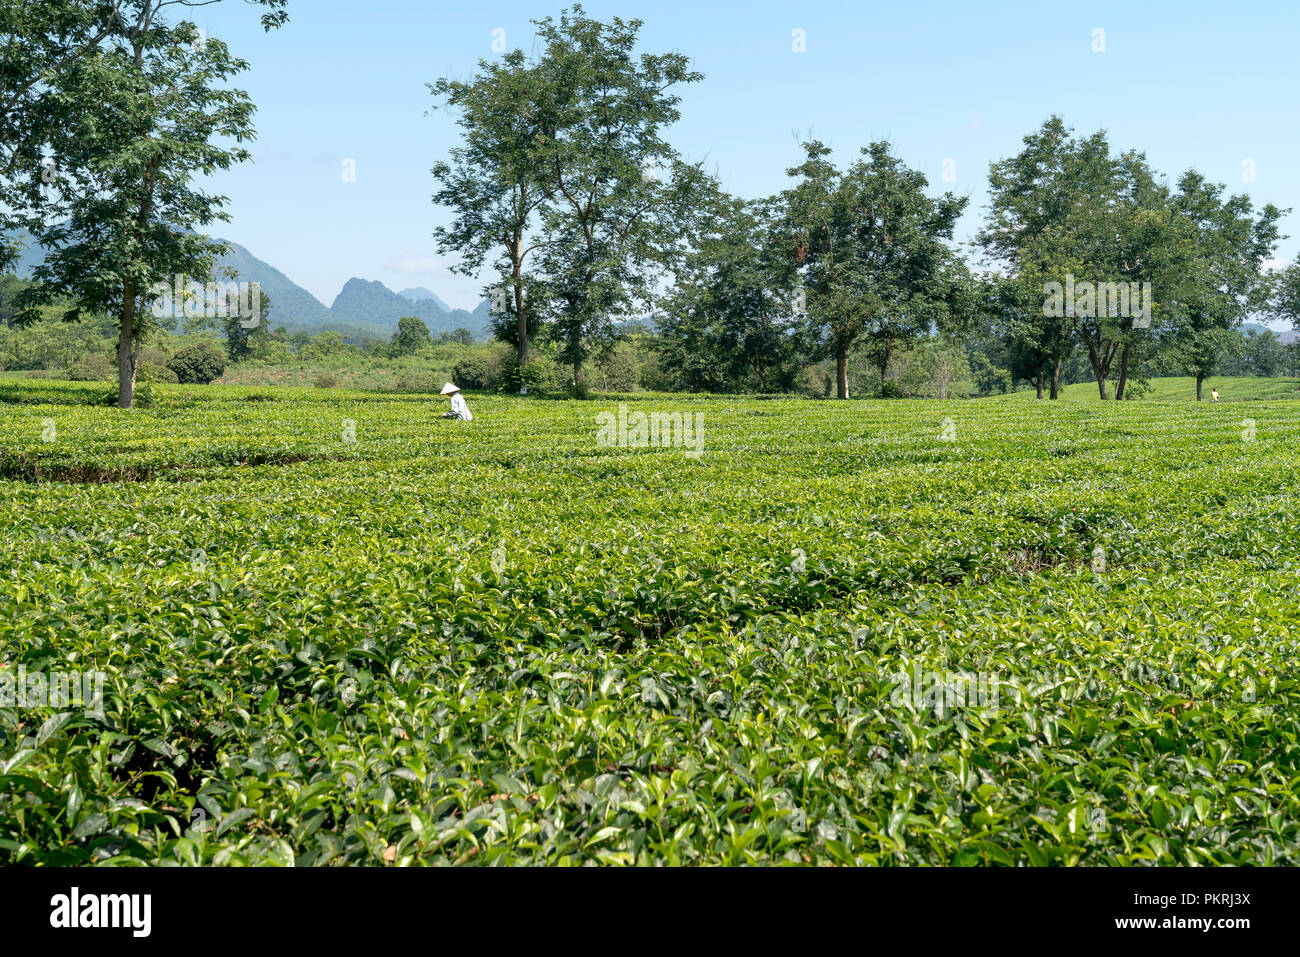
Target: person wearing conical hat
459,410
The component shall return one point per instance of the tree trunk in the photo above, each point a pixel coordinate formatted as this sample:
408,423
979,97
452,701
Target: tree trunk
573,338
841,375
521,325
1056,378
1038,387
1199,379
884,367
126,349
126,335
1100,369
1123,374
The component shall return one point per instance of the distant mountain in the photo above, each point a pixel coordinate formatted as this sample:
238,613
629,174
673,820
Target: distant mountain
374,303
291,305
1284,336
419,293
29,255
361,310
362,301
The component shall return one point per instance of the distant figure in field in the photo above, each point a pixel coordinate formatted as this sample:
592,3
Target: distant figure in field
459,410
1214,395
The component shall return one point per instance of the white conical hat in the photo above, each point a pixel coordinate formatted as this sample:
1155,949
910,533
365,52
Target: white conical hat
448,389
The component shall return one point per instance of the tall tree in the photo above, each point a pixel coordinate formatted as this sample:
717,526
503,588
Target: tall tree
1134,243
138,120
623,201
728,325
1066,208
496,182
1263,354
10,287
1285,301
411,336
247,336
1034,347
871,248
1221,246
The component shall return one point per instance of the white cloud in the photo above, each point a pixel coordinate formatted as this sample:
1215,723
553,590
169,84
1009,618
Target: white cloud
412,263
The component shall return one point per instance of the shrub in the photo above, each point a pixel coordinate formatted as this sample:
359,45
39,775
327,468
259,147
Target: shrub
955,584
891,389
198,364
813,382
93,368
539,374
472,371
1137,388
417,380
146,371
325,380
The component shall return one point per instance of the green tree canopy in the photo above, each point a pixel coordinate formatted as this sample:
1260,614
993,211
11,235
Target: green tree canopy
872,250
729,324
1067,209
137,121
412,335
1217,281
622,201
42,42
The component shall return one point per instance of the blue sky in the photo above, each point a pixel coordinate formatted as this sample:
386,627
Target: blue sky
1192,83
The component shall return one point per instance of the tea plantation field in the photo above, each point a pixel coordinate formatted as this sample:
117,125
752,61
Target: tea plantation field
844,633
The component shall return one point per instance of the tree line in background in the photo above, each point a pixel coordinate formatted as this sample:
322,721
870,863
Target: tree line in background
413,359
564,189
614,261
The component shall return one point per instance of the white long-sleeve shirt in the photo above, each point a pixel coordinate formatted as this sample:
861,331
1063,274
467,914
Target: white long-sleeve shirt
458,405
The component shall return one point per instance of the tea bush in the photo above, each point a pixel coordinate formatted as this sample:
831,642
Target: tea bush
1033,633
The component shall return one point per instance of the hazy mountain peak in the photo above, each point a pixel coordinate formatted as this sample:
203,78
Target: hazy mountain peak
420,294
366,301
